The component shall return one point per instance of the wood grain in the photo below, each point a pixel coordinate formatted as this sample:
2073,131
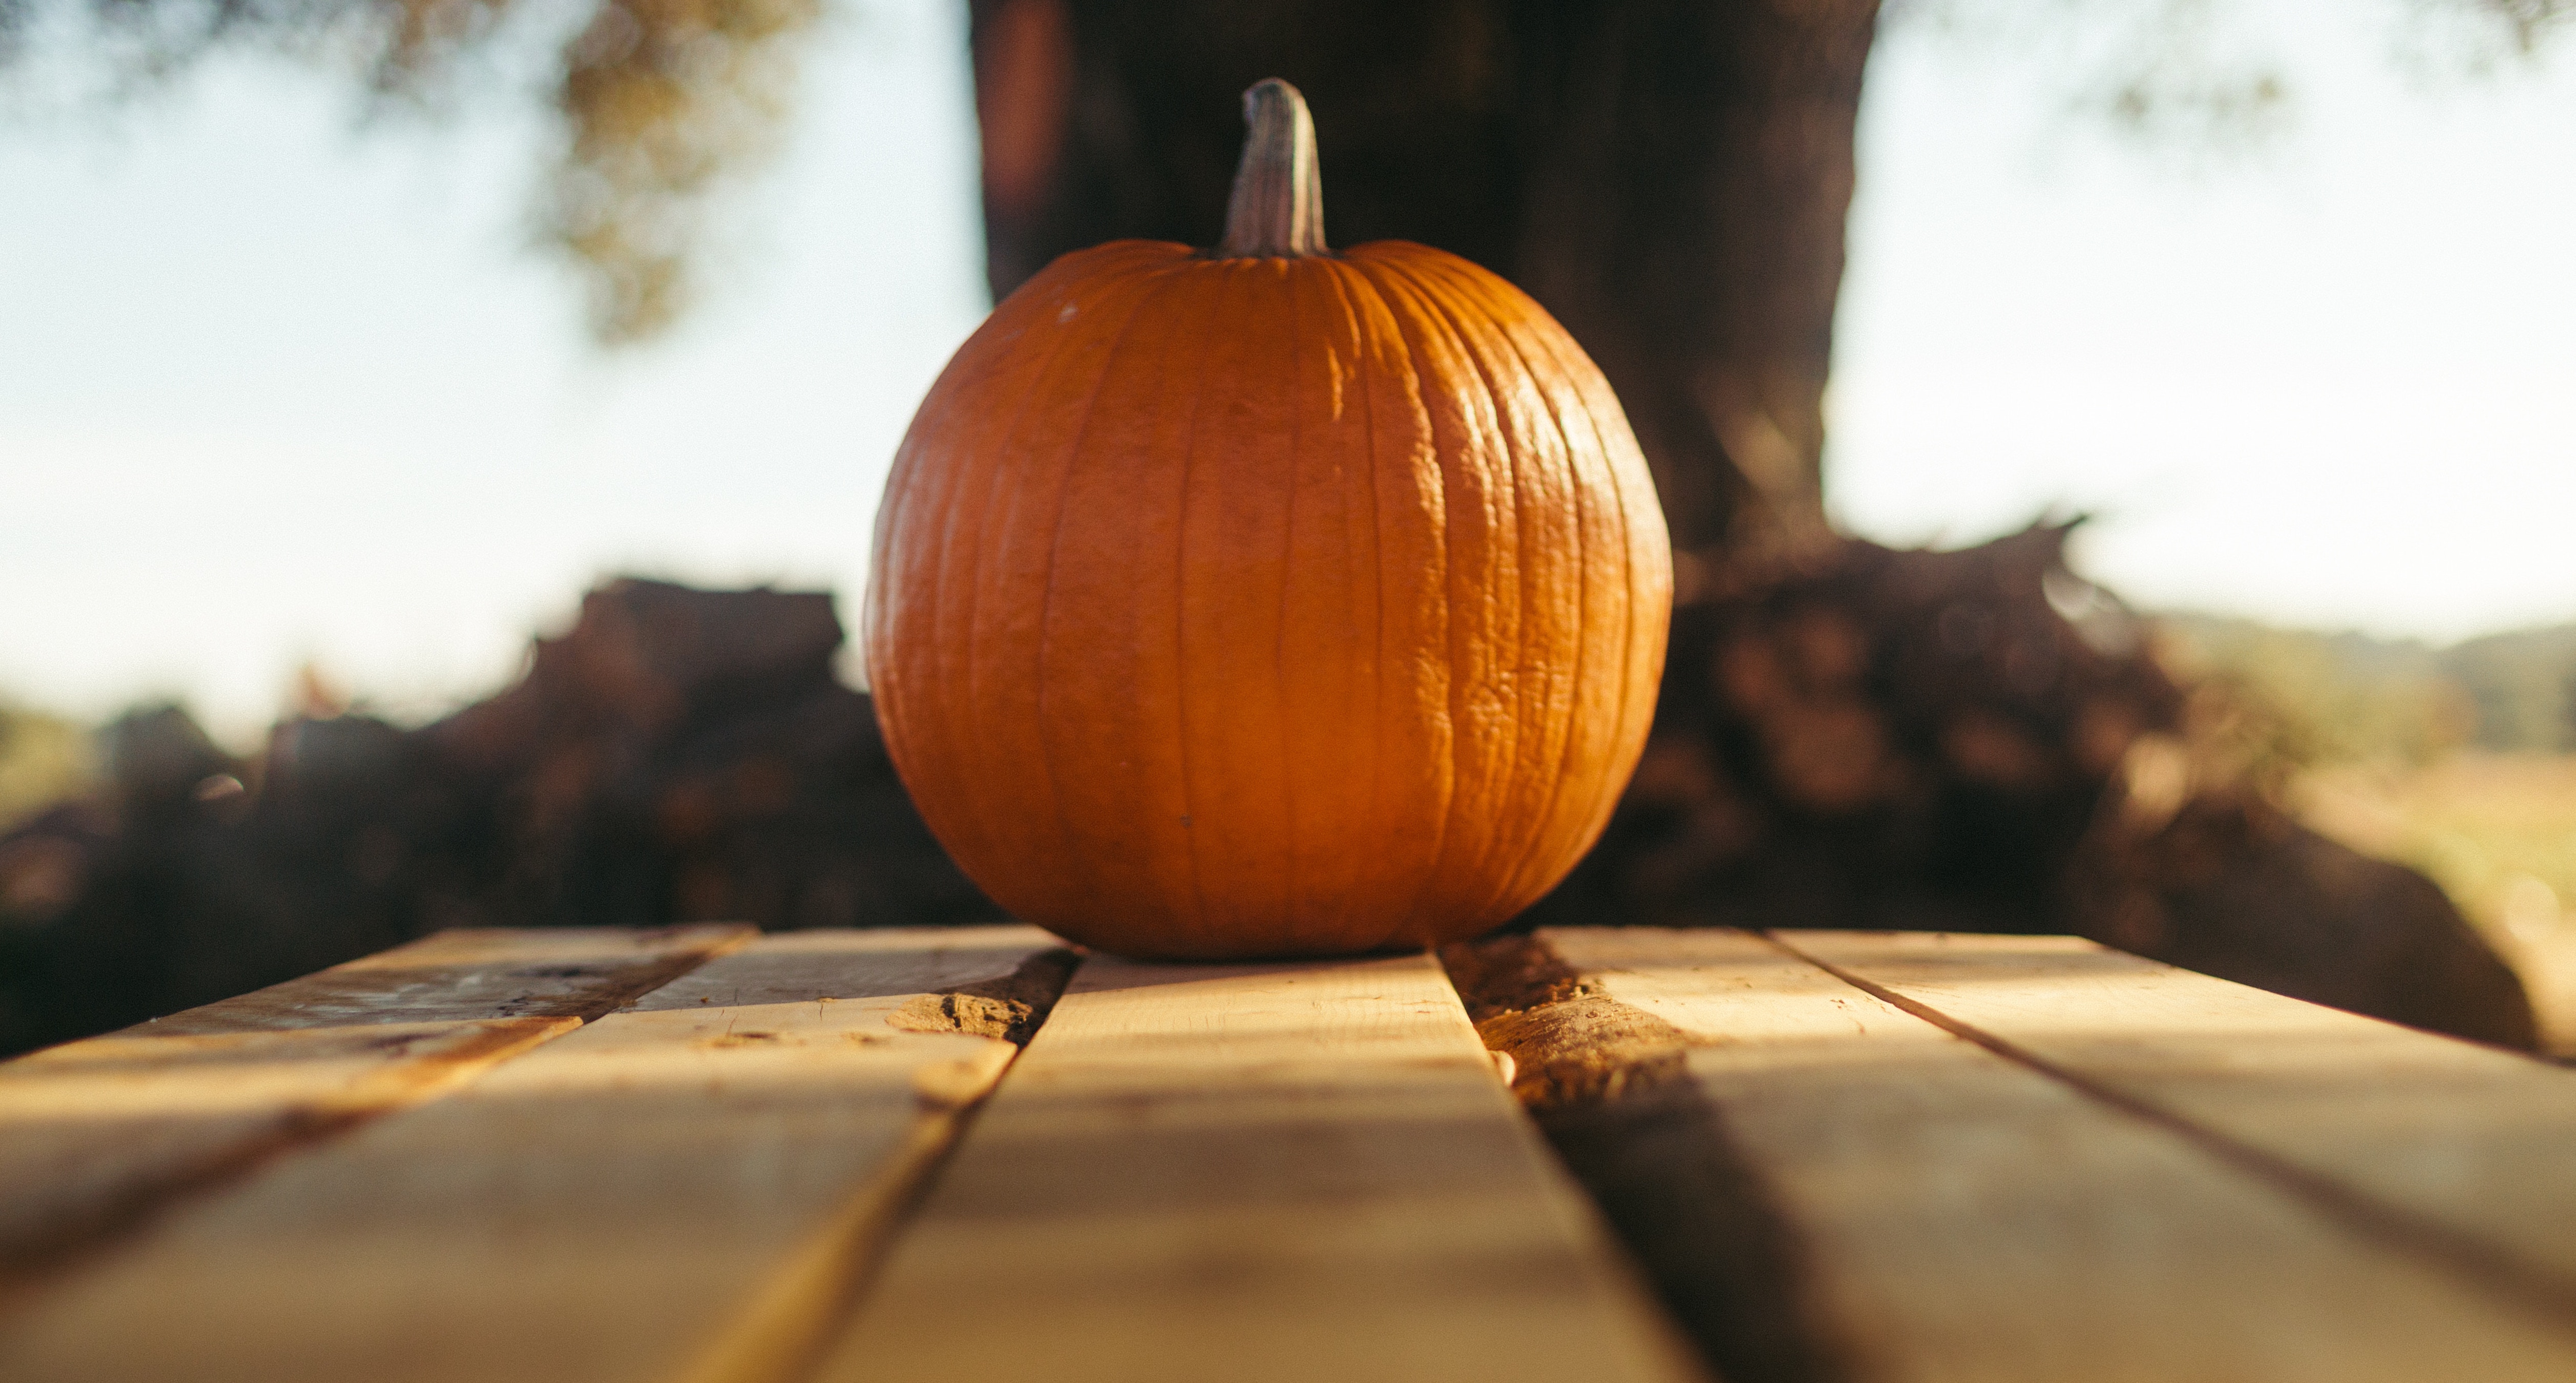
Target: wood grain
472,973
2463,1154
96,1136
1952,1214
682,1190
1253,1172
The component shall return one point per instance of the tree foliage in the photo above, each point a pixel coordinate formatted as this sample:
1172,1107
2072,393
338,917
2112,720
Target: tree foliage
2196,72
660,103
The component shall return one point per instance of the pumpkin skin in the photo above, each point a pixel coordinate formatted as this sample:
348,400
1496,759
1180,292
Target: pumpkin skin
1267,604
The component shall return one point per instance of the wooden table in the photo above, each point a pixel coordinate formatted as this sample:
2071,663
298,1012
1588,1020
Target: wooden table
704,1154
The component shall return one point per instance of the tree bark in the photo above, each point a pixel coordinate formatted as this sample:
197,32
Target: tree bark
1669,178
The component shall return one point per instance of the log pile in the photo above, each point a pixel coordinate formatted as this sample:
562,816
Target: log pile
687,755
679,755
1862,737
1849,736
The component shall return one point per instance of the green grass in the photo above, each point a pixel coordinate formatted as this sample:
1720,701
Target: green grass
2496,831
43,759
2453,760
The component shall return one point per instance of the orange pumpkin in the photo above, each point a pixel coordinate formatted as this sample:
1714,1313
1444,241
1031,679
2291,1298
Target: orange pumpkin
1267,601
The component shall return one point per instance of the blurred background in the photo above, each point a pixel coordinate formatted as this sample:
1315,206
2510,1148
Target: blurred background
344,346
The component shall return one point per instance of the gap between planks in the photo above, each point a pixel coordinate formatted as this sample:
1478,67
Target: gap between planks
1256,1172
2451,1151
1947,1213
97,1137
687,1189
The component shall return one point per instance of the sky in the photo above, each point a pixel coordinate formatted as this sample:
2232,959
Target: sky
279,385
2327,380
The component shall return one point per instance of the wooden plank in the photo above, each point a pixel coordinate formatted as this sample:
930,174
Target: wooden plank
1255,1172
684,1190
96,1136
472,973
2461,1153
1942,1212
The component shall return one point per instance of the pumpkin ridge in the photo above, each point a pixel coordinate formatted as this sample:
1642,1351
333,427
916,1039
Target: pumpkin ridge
1202,923
1401,310
1274,287
1380,322
1159,283
1196,915
1619,485
1531,850
1502,799
1001,481
960,614
1535,852
1490,777
1513,845
1332,826
1287,585
939,719
904,495
1376,566
1584,379
1608,786
1545,853
1327,866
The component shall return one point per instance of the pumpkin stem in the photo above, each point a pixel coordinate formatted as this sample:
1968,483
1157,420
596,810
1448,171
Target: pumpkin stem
1278,205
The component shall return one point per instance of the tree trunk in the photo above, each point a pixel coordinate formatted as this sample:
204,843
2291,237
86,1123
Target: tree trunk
1669,178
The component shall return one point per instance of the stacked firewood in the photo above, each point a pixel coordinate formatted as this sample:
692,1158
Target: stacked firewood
1855,735
687,755
1977,740
678,755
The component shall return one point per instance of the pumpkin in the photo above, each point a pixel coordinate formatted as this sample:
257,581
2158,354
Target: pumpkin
1267,601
